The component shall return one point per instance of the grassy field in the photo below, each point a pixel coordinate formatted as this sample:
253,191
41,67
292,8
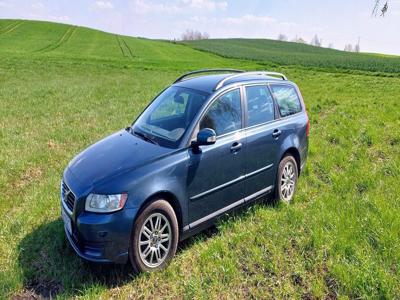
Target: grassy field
295,54
64,87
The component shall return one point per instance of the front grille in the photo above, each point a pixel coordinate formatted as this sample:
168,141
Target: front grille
68,196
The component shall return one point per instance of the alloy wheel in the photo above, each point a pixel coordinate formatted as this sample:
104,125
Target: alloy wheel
288,181
154,240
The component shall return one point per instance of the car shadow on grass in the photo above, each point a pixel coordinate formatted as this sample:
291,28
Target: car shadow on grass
50,266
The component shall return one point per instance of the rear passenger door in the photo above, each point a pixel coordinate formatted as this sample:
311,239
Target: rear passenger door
262,138
292,121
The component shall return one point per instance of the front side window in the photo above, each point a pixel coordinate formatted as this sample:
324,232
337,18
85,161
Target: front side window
287,99
260,105
169,115
225,114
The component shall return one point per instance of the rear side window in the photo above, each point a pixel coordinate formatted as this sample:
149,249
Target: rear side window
260,105
287,99
225,114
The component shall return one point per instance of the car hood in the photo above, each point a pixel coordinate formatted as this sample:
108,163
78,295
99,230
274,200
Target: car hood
113,155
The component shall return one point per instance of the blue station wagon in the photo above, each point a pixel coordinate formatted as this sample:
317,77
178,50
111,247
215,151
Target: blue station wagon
211,142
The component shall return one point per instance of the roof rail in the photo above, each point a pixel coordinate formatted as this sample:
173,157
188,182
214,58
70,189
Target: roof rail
207,71
261,73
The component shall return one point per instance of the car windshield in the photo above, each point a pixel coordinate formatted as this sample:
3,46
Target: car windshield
167,118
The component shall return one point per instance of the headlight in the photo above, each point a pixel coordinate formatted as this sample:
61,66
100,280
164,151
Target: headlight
105,203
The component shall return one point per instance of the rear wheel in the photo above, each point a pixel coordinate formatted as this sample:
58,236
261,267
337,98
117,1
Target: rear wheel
286,180
154,238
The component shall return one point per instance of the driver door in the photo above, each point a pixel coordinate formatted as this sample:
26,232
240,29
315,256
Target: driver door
216,173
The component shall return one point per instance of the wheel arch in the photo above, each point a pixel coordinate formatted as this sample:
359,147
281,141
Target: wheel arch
170,198
293,151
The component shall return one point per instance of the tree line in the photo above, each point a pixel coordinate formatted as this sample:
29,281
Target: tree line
194,35
317,42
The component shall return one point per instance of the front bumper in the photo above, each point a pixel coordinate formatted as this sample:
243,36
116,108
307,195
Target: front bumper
101,238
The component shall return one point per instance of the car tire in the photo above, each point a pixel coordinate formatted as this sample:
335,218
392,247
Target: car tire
154,238
286,179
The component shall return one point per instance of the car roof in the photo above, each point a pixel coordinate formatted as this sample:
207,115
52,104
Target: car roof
208,83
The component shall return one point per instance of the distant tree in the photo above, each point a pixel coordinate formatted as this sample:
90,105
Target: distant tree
194,35
357,46
348,48
331,46
351,48
299,40
282,37
381,7
316,41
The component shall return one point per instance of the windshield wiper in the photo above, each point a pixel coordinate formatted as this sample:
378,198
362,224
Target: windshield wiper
144,137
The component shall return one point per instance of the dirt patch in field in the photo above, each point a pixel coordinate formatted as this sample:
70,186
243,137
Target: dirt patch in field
30,175
40,290
52,145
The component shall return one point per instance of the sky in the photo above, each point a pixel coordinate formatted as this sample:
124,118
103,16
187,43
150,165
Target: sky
336,22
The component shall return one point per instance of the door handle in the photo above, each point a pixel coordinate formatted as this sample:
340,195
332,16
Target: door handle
236,146
276,133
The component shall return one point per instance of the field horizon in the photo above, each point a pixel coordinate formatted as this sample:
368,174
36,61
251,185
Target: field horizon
63,87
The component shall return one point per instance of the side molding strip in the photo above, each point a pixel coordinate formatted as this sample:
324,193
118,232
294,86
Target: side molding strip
218,187
226,184
226,208
259,171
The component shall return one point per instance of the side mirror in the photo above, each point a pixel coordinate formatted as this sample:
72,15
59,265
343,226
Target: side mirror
206,136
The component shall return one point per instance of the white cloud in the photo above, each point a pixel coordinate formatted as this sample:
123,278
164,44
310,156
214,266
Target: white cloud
147,7
248,19
206,4
104,4
176,7
38,5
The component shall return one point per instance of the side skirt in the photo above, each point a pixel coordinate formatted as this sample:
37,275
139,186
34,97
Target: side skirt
208,220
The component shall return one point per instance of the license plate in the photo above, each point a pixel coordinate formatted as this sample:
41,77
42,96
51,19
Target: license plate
67,221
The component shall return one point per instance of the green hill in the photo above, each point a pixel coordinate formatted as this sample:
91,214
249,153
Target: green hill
37,39
64,87
46,39
288,53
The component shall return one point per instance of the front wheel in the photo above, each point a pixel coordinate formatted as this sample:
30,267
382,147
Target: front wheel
286,180
154,238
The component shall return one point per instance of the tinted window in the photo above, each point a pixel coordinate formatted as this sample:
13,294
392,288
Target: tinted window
170,114
173,106
287,99
260,105
225,114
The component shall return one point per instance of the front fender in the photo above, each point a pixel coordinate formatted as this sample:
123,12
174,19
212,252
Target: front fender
168,174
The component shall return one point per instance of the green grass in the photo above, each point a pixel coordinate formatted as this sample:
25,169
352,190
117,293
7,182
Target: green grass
340,237
295,54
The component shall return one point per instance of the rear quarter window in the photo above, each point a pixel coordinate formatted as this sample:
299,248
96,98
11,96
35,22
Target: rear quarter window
287,99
